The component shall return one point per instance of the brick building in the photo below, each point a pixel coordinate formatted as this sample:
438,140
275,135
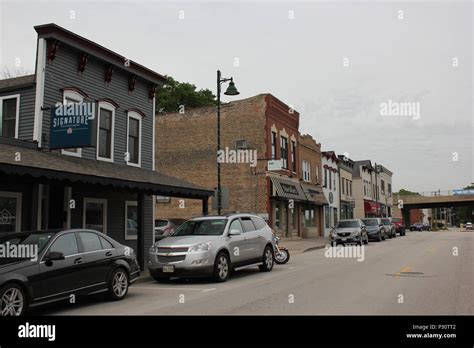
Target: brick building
257,129
312,211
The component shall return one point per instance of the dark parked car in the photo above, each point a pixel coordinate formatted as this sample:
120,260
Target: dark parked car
375,229
165,227
65,262
419,226
399,226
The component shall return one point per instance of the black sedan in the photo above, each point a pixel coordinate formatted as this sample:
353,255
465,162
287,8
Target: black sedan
418,226
46,266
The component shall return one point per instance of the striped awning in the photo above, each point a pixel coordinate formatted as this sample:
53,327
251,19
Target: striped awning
314,193
287,188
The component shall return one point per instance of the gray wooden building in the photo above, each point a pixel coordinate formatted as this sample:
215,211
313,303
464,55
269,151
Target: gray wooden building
107,184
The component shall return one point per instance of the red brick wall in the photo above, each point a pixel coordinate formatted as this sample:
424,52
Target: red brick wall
186,148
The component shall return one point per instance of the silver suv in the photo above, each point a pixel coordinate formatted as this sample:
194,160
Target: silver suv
213,246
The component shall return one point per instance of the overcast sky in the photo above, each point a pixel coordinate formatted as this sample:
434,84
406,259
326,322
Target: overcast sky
403,52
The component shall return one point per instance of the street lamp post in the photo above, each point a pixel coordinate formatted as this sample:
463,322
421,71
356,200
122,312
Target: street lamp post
231,90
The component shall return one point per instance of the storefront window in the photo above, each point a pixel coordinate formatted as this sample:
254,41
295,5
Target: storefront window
131,220
95,214
309,218
10,212
277,216
327,217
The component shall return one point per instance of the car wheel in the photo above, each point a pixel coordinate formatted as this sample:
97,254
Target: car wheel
221,267
267,260
118,284
13,300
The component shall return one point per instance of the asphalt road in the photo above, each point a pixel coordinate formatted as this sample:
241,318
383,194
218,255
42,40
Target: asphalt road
415,274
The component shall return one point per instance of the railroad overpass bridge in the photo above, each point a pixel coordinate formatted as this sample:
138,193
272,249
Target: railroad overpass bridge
403,204
436,199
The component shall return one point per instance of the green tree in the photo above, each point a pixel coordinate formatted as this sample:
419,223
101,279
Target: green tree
173,94
404,192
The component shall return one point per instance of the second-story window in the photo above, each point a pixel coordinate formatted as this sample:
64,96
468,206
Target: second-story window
284,151
350,188
72,97
274,145
105,132
306,171
325,177
334,181
342,186
134,139
9,115
293,156
347,188
330,179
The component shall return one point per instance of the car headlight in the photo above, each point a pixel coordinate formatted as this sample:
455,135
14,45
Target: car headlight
200,247
355,233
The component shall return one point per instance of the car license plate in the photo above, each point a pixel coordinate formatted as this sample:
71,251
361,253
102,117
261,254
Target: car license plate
168,269
343,239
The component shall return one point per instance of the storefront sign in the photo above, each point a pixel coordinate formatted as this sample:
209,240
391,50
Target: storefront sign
71,126
275,164
163,199
289,189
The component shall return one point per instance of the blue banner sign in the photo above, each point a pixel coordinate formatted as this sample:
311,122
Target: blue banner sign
463,192
71,126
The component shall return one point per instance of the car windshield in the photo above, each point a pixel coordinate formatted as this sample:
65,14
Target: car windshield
349,223
208,227
36,240
370,222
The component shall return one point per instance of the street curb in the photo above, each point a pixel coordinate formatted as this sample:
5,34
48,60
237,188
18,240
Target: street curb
313,248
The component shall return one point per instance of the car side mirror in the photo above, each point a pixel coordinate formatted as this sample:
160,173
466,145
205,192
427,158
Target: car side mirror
54,256
234,233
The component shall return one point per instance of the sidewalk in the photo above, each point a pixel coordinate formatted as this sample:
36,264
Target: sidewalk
297,246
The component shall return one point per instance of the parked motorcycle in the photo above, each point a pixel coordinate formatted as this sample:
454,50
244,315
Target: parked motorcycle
282,255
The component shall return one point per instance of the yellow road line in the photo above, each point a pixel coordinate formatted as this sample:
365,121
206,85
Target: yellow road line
405,269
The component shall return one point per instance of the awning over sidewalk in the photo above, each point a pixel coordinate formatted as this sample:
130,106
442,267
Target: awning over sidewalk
371,207
287,188
314,194
18,160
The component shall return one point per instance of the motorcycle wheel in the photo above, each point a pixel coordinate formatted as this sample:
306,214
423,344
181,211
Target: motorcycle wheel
282,256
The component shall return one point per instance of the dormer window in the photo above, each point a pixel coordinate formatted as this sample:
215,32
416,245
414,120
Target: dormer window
9,115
